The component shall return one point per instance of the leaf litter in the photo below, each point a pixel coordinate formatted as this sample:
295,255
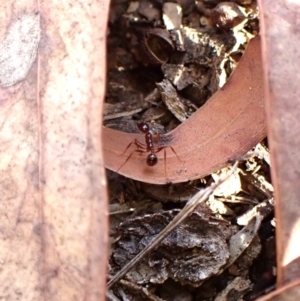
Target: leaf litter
220,249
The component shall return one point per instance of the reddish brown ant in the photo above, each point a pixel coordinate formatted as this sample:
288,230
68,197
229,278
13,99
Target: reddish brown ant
148,146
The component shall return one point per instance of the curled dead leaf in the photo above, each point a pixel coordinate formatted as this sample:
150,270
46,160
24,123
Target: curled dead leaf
226,127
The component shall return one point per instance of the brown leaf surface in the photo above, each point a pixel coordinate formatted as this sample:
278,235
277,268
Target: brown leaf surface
288,292
226,127
281,60
53,189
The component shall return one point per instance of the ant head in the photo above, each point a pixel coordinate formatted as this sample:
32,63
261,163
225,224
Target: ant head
143,127
151,159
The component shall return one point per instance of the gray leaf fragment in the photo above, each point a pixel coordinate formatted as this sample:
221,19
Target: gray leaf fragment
18,49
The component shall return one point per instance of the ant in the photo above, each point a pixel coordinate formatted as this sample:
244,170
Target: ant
148,146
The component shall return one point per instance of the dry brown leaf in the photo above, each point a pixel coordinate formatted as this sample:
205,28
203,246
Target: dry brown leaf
289,292
53,240
226,127
281,60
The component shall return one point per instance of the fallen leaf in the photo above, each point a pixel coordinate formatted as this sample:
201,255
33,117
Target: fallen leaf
281,58
226,127
53,241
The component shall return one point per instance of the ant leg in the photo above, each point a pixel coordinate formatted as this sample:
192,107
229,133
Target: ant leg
137,143
165,159
126,148
173,150
134,151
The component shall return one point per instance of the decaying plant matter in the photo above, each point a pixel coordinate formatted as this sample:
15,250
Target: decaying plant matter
165,61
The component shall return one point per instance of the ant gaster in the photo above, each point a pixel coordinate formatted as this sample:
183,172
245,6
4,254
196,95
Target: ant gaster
148,146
